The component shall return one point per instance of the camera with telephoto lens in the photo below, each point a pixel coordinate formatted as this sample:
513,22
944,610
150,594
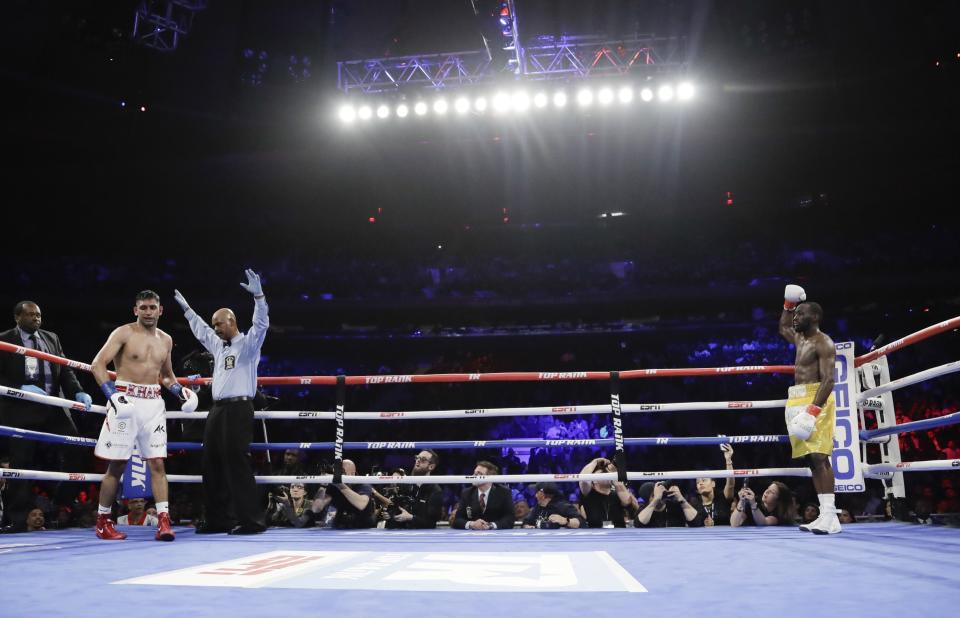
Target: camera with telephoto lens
281,492
400,500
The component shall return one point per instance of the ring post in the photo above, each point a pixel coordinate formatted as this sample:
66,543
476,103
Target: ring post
620,457
338,443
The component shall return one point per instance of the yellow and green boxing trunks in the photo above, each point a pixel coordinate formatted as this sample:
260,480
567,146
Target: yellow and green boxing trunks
821,440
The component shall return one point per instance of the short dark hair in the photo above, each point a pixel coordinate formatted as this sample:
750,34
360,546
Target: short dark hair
548,489
434,458
146,295
815,309
489,465
18,308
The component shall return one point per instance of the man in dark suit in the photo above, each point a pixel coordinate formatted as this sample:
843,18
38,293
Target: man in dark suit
43,378
485,506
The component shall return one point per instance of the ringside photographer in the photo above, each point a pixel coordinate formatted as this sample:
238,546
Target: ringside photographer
416,506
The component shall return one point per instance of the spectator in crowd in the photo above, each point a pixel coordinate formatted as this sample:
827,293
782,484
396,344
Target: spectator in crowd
40,377
485,506
922,510
354,503
552,510
35,520
665,507
776,507
845,517
137,514
950,503
951,450
810,513
714,510
520,510
291,508
604,504
291,464
417,506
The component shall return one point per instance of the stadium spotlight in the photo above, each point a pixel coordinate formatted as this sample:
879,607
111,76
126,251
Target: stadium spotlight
520,101
665,92
685,91
625,94
540,100
462,105
347,114
365,112
646,94
560,99
480,104
501,102
585,97
440,107
420,108
605,96
383,111
402,110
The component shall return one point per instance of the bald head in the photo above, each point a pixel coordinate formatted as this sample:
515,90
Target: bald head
349,468
224,323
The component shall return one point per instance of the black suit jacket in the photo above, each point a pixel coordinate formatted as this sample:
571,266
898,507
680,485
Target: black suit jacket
13,373
499,508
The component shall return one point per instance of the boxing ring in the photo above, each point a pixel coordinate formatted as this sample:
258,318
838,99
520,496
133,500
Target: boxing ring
409,572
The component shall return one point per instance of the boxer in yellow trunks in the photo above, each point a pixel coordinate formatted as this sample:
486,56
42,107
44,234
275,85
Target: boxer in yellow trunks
810,411
799,397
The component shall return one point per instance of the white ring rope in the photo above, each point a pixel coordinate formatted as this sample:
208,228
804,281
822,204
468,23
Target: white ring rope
870,470
910,380
440,479
630,408
884,470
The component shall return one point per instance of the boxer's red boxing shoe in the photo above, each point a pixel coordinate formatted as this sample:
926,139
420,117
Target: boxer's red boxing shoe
164,531
106,531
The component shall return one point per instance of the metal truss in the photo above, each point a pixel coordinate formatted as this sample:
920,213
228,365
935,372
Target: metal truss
548,58
159,24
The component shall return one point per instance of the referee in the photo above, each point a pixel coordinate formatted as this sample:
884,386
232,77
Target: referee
228,482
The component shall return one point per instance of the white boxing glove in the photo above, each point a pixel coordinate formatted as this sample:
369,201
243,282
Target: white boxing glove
189,400
802,424
120,405
793,295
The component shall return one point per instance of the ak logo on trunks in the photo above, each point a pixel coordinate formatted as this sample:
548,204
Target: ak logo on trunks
160,429
229,362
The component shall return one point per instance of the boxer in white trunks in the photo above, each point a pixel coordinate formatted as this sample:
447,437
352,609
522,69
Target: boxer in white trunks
136,414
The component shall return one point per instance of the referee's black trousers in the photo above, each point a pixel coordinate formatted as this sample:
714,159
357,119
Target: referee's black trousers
228,484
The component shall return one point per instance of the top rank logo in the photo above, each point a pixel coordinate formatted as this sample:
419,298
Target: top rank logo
561,375
388,379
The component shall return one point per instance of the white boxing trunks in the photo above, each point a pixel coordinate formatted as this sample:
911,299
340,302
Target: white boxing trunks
145,426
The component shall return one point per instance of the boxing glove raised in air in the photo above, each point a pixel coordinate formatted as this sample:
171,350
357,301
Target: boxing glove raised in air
793,295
